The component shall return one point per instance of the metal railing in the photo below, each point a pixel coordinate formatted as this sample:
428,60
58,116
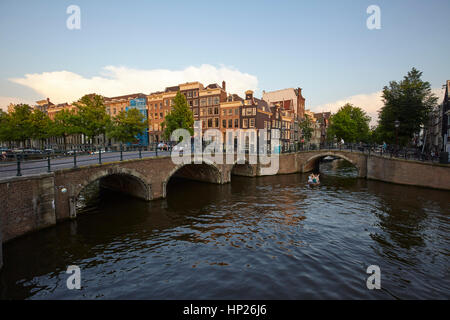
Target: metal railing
79,157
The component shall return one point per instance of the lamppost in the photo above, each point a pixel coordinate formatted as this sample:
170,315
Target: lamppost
396,124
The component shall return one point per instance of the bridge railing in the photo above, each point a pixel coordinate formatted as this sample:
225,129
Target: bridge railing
80,157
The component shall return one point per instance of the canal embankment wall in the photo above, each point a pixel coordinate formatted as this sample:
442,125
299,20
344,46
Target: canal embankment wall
407,172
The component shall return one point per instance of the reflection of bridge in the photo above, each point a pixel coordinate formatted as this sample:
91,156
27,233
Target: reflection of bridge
29,203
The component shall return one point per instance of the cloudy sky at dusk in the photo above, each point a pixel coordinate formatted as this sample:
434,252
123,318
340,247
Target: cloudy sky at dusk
131,46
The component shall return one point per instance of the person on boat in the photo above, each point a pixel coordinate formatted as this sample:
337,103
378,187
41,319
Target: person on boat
313,179
316,179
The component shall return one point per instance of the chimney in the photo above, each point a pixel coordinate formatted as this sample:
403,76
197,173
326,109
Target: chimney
224,86
249,95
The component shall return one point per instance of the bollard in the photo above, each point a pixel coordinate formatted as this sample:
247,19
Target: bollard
100,156
121,153
156,149
140,153
19,173
48,164
75,159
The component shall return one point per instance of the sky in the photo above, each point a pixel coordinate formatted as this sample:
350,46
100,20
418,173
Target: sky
123,47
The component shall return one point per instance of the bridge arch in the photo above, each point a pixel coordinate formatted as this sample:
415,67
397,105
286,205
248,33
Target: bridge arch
120,179
207,171
311,162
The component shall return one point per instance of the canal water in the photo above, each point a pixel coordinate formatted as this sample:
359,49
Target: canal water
255,238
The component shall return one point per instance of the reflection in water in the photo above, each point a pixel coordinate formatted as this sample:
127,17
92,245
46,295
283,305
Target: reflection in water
256,238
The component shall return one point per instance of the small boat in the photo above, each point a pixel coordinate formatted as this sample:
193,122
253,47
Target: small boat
328,159
313,181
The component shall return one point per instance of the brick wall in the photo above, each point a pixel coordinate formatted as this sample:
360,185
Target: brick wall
27,204
409,172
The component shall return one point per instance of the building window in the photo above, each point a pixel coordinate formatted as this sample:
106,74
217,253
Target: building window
190,103
216,122
209,101
195,111
210,111
210,123
236,111
245,123
236,123
216,110
204,123
195,103
202,112
216,100
203,102
252,122
224,123
230,123
230,111
224,112
161,115
189,94
195,94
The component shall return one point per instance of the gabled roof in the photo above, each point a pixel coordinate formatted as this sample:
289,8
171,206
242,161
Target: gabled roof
172,89
128,96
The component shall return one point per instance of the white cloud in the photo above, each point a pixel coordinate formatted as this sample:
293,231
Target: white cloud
66,86
371,103
5,101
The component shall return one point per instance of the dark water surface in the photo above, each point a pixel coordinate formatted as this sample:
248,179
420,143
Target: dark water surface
256,238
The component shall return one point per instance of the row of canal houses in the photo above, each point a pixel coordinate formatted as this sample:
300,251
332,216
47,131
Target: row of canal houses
215,108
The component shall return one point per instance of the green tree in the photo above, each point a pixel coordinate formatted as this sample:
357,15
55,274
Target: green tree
306,126
6,132
92,115
409,101
349,123
20,123
180,117
127,125
41,126
66,123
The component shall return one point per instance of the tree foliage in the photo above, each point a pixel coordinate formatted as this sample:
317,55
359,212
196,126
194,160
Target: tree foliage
408,101
349,123
6,132
20,123
66,123
127,125
180,117
92,115
41,126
